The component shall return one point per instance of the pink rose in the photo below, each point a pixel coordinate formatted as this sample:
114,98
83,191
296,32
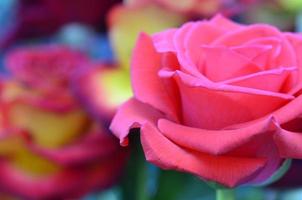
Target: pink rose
50,147
217,99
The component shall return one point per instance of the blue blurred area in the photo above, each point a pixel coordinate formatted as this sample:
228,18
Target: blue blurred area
111,194
7,14
7,22
81,37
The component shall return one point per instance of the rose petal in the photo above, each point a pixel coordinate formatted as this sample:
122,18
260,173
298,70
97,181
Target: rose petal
229,65
257,53
147,85
289,143
296,41
130,115
281,54
275,77
205,83
226,170
290,111
224,23
202,100
178,40
245,34
263,146
163,41
210,141
201,33
285,53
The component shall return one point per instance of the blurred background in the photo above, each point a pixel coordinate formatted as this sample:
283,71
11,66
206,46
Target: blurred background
64,72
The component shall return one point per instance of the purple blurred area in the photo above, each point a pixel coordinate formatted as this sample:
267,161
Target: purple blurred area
38,18
291,179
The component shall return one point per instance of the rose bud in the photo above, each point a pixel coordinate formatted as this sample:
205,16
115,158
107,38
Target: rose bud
50,147
217,99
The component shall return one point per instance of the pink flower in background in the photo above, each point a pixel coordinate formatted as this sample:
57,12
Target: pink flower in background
50,147
216,99
28,65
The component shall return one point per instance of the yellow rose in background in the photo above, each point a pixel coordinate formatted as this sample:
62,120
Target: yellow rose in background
50,147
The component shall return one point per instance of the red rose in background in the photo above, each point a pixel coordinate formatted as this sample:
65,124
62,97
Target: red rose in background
217,99
50,147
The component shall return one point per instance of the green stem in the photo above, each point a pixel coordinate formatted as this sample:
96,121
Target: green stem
134,184
225,194
141,187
